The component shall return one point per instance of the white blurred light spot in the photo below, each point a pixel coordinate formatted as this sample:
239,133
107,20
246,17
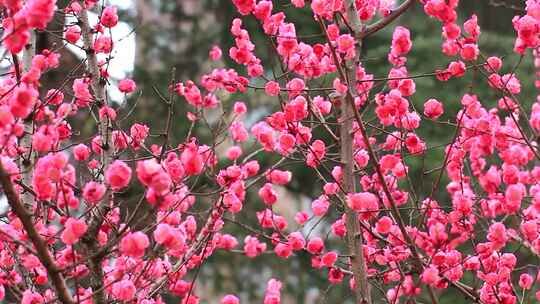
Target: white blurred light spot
123,55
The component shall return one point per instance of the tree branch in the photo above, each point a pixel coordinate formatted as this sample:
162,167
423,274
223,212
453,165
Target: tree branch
42,251
89,240
26,163
379,25
355,241
359,34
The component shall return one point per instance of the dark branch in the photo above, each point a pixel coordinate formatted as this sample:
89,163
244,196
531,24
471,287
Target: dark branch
42,251
379,25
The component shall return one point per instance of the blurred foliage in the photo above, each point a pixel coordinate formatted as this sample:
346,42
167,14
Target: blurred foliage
182,42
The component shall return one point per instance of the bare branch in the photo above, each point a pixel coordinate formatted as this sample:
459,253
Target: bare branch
98,86
43,253
379,25
27,162
354,233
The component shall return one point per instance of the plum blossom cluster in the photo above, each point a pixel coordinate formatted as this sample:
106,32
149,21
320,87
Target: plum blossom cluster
76,241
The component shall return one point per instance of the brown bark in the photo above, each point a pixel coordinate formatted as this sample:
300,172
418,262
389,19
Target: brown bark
356,26
42,251
98,215
354,233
